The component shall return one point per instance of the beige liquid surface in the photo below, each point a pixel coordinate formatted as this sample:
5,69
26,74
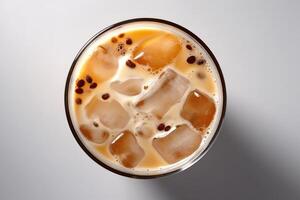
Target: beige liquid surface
134,144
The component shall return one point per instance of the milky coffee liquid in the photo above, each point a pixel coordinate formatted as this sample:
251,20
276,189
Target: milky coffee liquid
145,98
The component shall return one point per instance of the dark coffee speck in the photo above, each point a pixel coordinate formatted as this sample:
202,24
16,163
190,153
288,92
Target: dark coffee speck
79,90
161,127
129,41
191,59
93,85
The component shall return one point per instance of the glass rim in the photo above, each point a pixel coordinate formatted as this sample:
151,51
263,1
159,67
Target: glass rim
87,151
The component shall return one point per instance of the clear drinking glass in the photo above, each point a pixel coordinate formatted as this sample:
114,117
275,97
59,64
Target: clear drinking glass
168,25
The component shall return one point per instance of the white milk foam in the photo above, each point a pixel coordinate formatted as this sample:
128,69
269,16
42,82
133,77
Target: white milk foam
124,73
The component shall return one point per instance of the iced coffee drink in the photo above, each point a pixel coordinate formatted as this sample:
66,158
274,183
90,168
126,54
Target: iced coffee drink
145,98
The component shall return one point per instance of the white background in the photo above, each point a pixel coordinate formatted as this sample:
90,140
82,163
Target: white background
256,155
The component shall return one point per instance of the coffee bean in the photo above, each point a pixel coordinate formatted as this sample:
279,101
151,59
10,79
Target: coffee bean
129,41
201,61
95,124
80,83
189,47
130,64
105,96
161,127
121,35
93,85
167,128
79,90
114,40
89,79
191,59
78,101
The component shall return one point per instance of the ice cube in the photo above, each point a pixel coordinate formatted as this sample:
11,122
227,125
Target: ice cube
110,113
126,148
102,63
168,90
92,134
129,87
157,51
199,109
179,144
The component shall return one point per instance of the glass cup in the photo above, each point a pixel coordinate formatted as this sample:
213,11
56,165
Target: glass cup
178,167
